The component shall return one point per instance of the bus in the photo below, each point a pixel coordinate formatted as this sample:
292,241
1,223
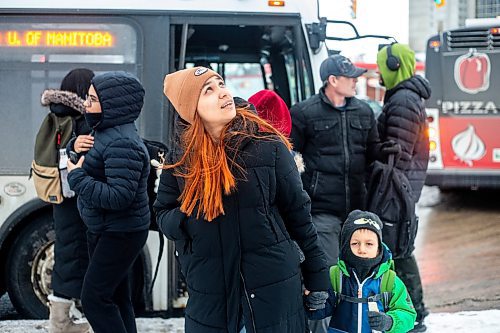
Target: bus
463,68
253,44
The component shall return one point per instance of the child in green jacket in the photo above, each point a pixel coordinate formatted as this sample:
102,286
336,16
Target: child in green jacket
371,296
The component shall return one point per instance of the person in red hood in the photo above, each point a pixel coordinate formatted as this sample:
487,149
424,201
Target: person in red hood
273,109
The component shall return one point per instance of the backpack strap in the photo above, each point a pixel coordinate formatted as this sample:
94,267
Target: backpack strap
336,281
386,287
160,254
350,299
335,278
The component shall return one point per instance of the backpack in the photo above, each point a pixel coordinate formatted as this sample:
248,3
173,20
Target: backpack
157,153
386,288
48,168
389,195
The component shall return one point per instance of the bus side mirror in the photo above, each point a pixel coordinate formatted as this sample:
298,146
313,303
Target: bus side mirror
316,33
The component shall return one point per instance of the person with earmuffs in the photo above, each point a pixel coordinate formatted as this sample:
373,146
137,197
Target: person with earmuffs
403,121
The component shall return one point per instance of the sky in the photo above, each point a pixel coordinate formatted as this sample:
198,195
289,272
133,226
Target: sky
375,17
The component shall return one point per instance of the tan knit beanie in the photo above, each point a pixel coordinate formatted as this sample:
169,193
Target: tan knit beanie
183,89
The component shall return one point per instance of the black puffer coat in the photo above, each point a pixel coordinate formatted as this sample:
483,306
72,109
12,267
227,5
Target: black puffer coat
246,256
337,147
403,120
112,184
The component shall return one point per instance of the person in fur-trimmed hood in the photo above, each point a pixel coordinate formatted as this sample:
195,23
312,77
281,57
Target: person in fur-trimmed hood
71,253
273,109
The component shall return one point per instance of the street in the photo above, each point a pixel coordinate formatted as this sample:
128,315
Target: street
458,250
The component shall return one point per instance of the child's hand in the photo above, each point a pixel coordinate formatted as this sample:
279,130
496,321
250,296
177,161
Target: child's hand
72,166
379,321
315,300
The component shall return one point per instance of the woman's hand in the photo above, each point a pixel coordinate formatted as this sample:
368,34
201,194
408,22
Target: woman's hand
315,300
83,143
72,166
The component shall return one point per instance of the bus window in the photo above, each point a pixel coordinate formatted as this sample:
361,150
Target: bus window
243,80
249,57
36,55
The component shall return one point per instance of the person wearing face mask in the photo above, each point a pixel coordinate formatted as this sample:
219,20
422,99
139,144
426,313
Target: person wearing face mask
232,201
70,246
111,184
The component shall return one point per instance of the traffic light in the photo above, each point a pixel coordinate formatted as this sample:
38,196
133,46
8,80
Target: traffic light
353,8
439,3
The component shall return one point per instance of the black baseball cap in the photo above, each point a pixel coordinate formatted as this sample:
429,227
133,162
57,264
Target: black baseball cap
338,65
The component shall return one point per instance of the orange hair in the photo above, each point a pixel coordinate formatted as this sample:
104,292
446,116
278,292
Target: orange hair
204,164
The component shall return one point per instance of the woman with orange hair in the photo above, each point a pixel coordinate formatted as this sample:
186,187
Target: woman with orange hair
232,200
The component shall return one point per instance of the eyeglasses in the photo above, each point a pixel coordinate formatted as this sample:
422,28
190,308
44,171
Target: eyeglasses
91,99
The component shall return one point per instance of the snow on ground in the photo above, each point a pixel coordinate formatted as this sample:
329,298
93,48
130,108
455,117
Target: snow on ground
461,322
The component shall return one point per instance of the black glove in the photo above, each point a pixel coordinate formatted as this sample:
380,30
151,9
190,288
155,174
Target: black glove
390,147
379,321
316,300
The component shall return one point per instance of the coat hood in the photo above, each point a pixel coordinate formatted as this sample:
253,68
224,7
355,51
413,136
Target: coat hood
63,103
407,64
121,96
272,108
417,84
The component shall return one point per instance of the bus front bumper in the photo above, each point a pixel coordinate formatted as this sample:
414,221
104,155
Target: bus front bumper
473,179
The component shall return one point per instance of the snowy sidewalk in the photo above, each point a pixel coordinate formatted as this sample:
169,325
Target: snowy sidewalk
462,322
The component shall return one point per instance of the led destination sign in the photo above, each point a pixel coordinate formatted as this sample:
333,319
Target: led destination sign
56,38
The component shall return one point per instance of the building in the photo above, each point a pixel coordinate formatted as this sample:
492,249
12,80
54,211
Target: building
487,8
427,20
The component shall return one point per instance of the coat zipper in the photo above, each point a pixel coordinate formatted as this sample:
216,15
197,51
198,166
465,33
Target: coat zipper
248,301
252,317
346,162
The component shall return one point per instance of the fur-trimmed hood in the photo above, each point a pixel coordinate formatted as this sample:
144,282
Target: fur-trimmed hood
67,98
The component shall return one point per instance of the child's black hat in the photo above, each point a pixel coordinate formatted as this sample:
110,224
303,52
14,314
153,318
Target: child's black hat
359,219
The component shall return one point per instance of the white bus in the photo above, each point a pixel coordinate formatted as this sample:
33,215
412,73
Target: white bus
254,44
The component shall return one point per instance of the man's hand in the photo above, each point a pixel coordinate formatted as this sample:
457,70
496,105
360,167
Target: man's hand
315,300
390,147
72,166
83,143
379,321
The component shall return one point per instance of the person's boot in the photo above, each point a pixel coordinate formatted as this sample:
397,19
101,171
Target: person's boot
60,320
419,327
419,323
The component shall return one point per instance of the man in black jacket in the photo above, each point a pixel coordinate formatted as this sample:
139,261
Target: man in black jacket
403,120
337,136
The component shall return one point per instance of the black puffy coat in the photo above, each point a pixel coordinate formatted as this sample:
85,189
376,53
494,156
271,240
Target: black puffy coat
403,120
112,183
337,147
246,256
